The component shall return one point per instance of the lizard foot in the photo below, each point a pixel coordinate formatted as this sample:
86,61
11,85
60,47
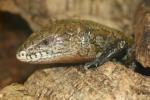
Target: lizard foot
93,64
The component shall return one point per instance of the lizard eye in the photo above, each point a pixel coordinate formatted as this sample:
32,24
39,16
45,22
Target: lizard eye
45,42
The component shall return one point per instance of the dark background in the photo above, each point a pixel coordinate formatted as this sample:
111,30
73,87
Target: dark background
13,31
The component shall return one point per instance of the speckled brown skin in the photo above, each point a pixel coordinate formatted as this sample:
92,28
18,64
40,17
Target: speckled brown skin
73,41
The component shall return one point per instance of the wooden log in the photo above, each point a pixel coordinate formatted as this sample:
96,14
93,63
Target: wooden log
142,34
110,81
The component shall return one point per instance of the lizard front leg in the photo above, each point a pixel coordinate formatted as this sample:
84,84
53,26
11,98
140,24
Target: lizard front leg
110,52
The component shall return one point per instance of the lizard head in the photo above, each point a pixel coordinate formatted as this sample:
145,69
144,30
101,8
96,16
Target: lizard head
56,44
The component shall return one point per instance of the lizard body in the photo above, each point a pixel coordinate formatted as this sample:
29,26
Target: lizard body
73,41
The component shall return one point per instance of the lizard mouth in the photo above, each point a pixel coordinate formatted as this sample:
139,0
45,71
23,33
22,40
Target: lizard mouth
32,57
42,57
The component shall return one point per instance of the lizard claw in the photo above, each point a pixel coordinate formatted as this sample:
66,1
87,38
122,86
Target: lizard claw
93,64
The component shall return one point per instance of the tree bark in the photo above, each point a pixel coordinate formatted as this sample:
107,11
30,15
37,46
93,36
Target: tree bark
142,34
110,81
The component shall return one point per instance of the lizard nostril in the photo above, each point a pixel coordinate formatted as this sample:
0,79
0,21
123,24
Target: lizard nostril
22,54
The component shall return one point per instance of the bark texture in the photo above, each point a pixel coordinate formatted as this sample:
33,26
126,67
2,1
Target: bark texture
142,34
111,81
114,13
15,92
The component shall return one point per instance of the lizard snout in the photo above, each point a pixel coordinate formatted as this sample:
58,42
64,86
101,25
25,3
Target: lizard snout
22,55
